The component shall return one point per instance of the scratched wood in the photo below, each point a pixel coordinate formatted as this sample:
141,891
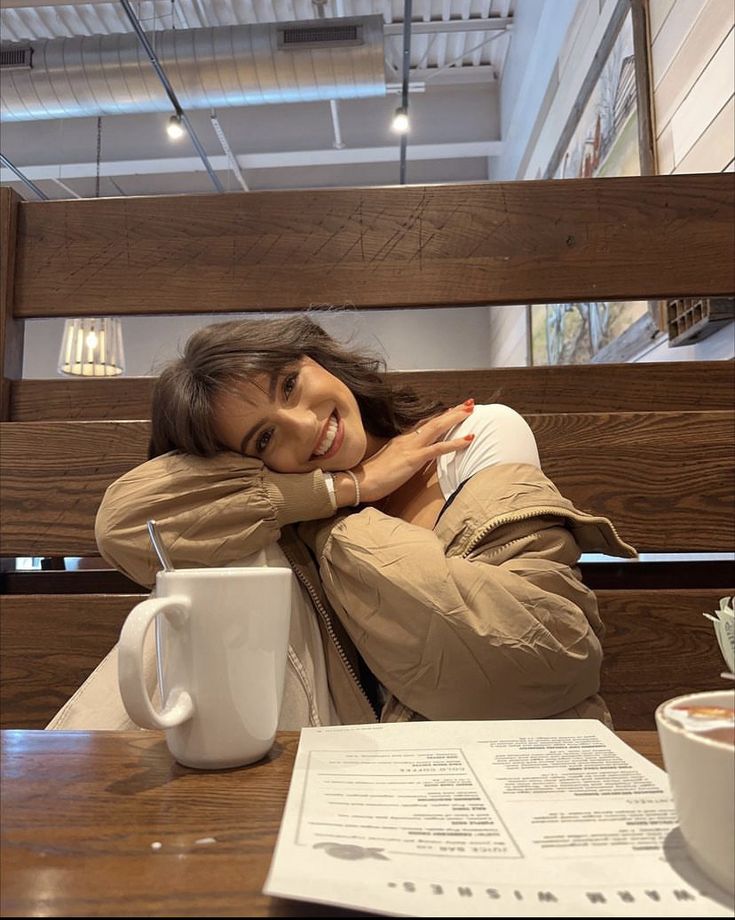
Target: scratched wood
49,645
658,645
60,859
657,475
411,246
660,386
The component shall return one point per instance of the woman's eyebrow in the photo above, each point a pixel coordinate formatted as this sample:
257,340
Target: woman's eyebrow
272,387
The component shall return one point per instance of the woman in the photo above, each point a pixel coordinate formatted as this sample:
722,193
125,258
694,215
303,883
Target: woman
437,562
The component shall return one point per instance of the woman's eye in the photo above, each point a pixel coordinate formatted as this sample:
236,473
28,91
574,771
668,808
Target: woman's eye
263,441
289,383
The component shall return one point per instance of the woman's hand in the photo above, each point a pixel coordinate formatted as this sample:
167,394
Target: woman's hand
402,457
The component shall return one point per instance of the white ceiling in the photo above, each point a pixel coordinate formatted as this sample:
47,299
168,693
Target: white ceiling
456,68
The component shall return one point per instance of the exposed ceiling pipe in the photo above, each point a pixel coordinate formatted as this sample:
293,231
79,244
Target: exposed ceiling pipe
459,57
24,179
333,104
290,159
170,93
453,26
210,68
69,191
338,143
407,12
231,158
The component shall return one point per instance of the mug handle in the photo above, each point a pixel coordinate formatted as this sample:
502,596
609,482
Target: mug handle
130,667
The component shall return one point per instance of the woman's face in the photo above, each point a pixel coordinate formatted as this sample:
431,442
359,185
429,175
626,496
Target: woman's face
303,419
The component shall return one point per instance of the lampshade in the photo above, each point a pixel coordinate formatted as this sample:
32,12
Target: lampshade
92,347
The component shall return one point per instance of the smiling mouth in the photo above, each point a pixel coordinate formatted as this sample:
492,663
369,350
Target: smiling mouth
328,444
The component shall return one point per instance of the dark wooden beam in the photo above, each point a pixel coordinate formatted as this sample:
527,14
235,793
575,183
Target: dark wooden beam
644,470
627,238
11,329
666,386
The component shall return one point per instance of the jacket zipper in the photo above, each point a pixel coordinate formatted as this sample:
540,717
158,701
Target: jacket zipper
327,620
512,518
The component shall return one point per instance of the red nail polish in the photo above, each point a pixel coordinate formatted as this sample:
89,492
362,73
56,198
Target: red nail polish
469,437
469,402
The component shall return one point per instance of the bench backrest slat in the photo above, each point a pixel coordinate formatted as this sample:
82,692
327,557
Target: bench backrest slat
677,386
624,238
642,469
658,644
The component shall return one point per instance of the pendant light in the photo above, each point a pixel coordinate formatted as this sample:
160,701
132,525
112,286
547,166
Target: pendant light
93,346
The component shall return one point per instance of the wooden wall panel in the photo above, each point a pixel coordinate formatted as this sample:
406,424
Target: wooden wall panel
49,645
658,645
715,147
646,471
677,68
710,92
410,246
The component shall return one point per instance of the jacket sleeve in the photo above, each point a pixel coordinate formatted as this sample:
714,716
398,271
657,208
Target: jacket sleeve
458,638
210,512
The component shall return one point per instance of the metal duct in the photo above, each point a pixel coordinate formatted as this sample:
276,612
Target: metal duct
341,58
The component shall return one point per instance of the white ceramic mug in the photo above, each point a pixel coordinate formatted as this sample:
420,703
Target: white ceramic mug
699,754
222,646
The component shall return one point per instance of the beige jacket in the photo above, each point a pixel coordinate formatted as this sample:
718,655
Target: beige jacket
483,618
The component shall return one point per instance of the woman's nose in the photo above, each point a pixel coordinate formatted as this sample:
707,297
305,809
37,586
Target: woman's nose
301,422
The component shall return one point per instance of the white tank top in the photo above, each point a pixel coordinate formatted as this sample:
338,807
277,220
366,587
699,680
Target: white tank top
501,436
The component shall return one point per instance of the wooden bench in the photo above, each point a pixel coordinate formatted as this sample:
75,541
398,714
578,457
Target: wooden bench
650,445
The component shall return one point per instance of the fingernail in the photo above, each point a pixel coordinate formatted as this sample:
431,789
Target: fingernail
469,437
469,402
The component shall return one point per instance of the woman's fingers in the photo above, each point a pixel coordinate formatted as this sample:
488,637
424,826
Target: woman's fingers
438,426
404,455
447,447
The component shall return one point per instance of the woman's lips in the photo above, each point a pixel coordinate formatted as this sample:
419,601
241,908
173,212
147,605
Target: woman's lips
336,443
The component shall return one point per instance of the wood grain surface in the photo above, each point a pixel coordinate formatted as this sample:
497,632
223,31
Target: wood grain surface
49,645
81,810
624,238
658,475
658,645
666,386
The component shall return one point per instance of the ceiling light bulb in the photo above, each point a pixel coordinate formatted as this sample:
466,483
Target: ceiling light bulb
174,129
400,121
91,340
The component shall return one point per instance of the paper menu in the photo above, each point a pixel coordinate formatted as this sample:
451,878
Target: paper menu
513,819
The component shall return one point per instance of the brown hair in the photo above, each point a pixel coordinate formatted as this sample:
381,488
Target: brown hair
217,356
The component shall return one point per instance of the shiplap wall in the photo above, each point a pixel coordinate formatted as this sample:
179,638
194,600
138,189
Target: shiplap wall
693,75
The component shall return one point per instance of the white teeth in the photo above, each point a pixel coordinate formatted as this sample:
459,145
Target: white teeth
328,439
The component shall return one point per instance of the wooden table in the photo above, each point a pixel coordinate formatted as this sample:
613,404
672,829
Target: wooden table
83,814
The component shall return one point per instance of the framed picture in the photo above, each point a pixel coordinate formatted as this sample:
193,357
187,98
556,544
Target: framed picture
609,132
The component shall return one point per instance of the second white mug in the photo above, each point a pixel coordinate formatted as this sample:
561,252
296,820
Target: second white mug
697,734
222,646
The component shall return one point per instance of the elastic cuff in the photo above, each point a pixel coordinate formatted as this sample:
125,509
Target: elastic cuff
298,496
